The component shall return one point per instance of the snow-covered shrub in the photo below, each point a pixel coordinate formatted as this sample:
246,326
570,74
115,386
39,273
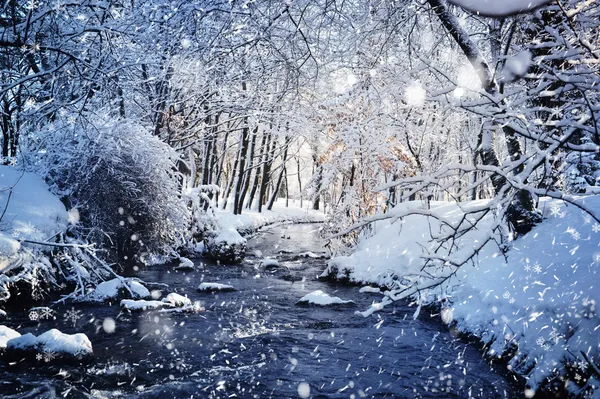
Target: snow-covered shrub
228,246
123,181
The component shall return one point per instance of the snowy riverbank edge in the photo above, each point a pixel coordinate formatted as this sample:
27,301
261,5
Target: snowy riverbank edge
534,306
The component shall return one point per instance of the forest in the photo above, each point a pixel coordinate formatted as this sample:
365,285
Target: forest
449,150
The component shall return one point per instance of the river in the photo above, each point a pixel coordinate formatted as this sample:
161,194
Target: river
256,342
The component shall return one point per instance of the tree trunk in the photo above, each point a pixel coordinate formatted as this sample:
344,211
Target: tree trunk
241,170
299,181
266,171
257,173
280,178
248,172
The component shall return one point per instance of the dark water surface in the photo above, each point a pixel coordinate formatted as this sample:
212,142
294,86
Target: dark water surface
256,343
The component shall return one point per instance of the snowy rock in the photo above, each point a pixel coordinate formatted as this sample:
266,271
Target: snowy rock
214,287
177,300
141,304
51,345
227,247
7,334
269,263
370,290
320,298
185,264
172,303
117,288
2,314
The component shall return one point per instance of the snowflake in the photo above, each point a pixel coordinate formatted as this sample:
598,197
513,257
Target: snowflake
596,228
511,300
574,233
46,313
537,268
506,295
577,377
73,315
540,341
555,210
527,268
39,357
49,356
34,316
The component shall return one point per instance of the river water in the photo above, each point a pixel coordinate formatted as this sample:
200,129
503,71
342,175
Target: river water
256,342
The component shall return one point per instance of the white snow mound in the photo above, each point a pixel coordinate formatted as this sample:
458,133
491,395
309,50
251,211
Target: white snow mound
320,298
110,290
7,334
370,290
54,341
177,300
185,263
210,287
131,304
268,262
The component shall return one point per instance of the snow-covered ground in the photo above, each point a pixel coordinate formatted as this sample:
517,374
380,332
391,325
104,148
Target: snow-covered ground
250,221
29,212
536,303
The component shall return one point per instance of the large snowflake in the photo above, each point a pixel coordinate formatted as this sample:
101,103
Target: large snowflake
73,315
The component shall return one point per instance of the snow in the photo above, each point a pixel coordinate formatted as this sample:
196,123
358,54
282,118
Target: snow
172,302
268,262
370,290
54,341
141,304
516,66
177,300
541,298
7,334
320,298
185,263
211,287
250,221
110,289
32,213
230,236
497,8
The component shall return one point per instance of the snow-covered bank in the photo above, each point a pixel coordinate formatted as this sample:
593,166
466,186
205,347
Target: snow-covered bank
30,213
534,304
250,221
229,244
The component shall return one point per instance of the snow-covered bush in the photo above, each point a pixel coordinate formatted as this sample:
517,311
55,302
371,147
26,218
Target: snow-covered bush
122,180
228,246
